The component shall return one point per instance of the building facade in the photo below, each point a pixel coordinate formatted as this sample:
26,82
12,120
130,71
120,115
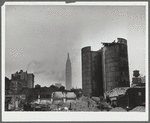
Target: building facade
21,77
30,80
68,74
7,85
105,69
16,87
115,65
92,72
26,79
137,79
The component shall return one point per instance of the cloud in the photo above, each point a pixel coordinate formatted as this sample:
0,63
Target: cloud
43,71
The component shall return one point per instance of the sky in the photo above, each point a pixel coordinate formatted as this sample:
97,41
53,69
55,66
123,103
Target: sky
38,38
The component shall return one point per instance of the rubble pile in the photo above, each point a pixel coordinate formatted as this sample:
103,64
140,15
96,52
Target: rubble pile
138,109
57,106
82,104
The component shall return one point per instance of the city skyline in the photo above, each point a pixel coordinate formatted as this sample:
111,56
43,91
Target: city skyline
39,37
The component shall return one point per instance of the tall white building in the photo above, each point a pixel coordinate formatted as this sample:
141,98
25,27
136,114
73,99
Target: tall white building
68,74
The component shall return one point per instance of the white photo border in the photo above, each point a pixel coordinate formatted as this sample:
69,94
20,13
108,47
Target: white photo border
73,116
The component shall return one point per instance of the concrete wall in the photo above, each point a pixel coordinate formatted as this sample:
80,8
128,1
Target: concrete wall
115,65
30,81
91,72
97,81
86,71
136,80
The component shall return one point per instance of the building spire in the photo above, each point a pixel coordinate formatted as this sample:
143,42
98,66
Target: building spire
68,55
68,59
68,74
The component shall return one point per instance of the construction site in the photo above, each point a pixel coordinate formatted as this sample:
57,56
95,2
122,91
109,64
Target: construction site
70,101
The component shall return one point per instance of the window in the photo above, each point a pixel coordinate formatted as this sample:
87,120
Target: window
139,94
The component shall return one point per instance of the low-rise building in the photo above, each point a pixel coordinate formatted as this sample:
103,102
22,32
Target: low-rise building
30,80
26,79
137,79
58,85
16,87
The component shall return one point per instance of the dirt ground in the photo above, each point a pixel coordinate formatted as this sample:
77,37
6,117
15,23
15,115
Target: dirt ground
85,104
88,104
82,104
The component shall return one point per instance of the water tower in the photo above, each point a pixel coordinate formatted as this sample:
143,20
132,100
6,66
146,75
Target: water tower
136,73
136,79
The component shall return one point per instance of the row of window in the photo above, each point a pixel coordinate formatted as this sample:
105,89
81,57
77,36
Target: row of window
86,82
109,60
113,64
112,69
117,79
111,74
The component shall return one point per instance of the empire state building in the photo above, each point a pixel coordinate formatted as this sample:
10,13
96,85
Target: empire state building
68,74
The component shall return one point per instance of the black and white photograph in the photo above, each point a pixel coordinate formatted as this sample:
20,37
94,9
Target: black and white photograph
81,61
